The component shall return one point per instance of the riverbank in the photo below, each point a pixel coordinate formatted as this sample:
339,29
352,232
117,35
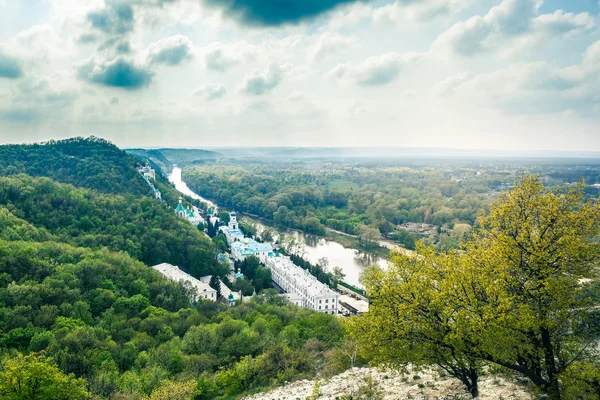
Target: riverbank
347,240
340,250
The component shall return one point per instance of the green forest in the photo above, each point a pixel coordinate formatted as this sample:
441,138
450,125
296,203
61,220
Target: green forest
370,199
82,315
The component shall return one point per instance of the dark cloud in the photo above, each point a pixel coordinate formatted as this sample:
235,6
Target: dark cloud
20,115
116,18
275,12
9,66
170,51
261,83
123,48
118,73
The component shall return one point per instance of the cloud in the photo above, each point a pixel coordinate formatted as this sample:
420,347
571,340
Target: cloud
537,87
507,22
9,66
118,73
376,70
404,11
273,13
261,83
331,43
211,91
449,85
172,51
116,18
220,57
560,22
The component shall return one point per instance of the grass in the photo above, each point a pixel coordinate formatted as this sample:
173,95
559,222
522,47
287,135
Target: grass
340,184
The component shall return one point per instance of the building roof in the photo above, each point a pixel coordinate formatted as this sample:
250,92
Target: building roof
303,278
175,274
251,246
180,208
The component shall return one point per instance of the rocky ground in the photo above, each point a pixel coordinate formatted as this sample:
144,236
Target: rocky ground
387,385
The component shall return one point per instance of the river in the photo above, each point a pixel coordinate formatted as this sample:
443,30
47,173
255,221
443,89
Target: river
352,261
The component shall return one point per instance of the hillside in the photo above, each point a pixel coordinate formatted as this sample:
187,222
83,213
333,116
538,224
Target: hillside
81,310
92,163
370,383
142,226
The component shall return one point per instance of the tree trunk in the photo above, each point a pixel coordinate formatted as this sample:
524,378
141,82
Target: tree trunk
553,388
470,379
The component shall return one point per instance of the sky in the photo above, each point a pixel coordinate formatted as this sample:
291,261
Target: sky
467,74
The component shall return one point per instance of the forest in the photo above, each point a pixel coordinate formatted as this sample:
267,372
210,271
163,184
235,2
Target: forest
82,314
372,199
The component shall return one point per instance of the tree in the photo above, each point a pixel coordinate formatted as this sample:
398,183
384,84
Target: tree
34,377
412,293
263,278
338,274
250,266
536,247
323,262
513,299
215,284
369,236
174,391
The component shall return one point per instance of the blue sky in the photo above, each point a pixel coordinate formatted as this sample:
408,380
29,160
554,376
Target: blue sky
494,74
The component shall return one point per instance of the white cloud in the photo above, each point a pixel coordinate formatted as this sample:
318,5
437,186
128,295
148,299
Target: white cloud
507,23
537,87
261,83
211,91
376,70
449,85
402,12
173,50
221,57
330,44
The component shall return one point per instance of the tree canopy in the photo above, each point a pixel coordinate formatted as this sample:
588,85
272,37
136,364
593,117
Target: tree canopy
511,298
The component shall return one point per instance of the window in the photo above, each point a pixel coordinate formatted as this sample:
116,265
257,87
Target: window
319,307
320,301
326,300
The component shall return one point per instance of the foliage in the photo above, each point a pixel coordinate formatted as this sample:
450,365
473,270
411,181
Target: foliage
92,163
141,226
512,299
36,377
413,293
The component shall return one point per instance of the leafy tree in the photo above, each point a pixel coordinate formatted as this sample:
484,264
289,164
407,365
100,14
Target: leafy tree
174,391
216,284
513,299
535,246
35,377
412,292
369,236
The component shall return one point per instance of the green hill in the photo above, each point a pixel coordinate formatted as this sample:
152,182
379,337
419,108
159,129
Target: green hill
92,163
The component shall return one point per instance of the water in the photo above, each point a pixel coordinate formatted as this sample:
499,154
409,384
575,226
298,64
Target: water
182,187
311,247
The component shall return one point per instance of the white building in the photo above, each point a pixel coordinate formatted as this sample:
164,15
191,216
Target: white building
191,214
148,172
295,280
174,274
232,231
250,247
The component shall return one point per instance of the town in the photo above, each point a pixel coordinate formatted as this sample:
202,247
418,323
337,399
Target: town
296,284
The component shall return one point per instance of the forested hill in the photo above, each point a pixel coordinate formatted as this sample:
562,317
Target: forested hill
142,226
92,163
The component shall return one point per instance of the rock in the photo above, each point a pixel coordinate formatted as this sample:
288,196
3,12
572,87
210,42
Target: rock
417,386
